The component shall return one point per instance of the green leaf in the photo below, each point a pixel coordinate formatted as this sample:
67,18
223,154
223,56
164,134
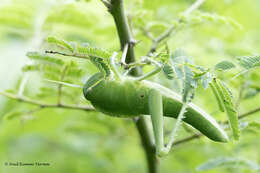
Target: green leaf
180,63
254,125
97,56
51,69
94,52
251,92
61,43
168,71
217,96
33,67
188,83
249,62
224,65
45,91
12,115
73,70
200,17
44,57
205,79
226,162
178,70
230,109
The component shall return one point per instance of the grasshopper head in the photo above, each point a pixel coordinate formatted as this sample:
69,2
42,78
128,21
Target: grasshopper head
92,81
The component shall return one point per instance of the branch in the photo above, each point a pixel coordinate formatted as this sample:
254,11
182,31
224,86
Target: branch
125,36
124,32
249,113
193,7
169,31
198,135
45,105
146,137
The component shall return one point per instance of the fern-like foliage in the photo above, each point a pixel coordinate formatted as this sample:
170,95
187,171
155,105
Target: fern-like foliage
251,92
224,65
224,97
205,78
86,50
253,126
190,74
182,67
217,96
229,162
200,17
61,43
168,71
12,115
52,67
17,20
44,57
249,62
99,57
188,84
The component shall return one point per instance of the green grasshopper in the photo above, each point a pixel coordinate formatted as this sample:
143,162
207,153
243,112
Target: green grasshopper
121,96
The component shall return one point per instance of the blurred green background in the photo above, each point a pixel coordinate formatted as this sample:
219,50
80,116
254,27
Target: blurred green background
77,141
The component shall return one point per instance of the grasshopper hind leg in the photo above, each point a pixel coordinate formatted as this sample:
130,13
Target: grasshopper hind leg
156,112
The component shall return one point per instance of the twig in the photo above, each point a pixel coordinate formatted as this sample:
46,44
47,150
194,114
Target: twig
147,33
169,31
160,38
249,113
45,105
113,66
193,7
198,135
187,139
65,54
122,61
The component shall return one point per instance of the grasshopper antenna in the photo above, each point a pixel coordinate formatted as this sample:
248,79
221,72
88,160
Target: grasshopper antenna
63,83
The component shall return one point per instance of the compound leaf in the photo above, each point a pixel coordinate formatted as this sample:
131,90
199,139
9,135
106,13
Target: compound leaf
227,162
224,65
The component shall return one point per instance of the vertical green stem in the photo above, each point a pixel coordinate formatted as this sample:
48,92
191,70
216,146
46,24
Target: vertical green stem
117,11
124,32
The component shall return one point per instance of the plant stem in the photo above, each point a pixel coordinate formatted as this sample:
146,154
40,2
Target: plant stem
124,33
146,137
193,7
167,33
125,36
45,105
